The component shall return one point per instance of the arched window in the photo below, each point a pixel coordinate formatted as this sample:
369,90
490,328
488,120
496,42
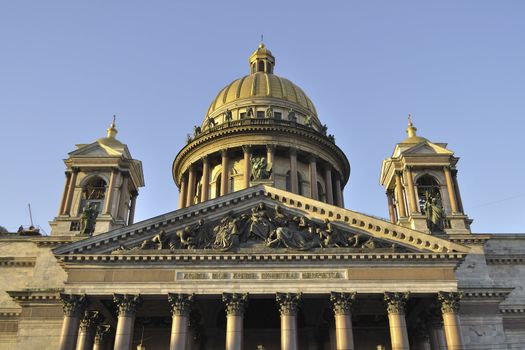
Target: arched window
261,66
94,193
218,182
427,186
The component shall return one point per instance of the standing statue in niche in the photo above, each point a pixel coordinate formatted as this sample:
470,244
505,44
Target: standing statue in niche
291,116
434,213
269,112
260,169
88,220
228,116
249,112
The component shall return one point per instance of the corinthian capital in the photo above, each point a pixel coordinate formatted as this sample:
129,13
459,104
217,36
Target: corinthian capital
126,303
396,302
73,304
235,303
180,304
288,303
449,301
342,302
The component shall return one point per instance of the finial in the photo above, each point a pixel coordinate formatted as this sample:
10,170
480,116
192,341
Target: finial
261,44
112,131
411,130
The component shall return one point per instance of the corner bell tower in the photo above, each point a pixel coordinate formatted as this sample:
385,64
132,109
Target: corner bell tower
104,177
420,179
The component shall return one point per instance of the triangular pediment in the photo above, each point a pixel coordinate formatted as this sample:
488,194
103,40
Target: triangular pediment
104,148
425,148
261,219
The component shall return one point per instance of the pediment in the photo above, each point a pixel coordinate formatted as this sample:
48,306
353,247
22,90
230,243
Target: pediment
102,149
261,219
426,148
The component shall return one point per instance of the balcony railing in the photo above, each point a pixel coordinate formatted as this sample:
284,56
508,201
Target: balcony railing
257,122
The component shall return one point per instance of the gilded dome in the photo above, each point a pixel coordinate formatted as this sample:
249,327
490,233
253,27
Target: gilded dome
262,88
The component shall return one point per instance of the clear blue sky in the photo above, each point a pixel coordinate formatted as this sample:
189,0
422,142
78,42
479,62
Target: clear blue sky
458,66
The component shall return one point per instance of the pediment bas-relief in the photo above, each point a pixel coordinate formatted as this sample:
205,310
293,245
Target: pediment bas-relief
262,229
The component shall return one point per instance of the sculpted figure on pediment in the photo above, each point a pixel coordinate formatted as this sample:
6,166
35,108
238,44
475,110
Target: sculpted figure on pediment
158,242
226,233
259,225
297,235
193,237
331,237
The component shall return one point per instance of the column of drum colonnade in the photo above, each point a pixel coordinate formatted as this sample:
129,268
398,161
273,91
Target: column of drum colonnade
334,193
93,333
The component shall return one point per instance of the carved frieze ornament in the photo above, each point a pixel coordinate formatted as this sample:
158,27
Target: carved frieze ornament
449,301
103,331
396,302
342,302
73,304
180,303
127,303
90,320
288,303
235,303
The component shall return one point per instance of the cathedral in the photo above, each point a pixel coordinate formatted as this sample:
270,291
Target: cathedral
262,252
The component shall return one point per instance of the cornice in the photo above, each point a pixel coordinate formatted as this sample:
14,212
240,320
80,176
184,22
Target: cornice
243,200
269,127
40,295
485,294
17,261
508,259
167,257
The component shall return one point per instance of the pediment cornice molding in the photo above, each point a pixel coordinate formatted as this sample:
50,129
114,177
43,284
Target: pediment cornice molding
245,199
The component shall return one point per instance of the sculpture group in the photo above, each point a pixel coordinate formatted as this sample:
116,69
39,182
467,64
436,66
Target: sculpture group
263,228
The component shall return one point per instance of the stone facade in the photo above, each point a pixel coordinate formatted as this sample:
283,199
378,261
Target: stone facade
262,256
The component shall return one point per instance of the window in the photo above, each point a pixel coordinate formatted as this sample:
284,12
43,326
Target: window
261,66
243,115
218,186
260,114
277,115
427,186
94,193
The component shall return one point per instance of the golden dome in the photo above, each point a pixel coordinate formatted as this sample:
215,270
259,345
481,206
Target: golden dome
266,86
262,88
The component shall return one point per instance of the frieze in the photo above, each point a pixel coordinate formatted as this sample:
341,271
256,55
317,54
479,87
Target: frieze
277,275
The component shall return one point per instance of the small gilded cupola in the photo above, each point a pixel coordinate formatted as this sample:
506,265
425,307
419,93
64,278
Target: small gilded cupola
262,60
